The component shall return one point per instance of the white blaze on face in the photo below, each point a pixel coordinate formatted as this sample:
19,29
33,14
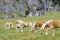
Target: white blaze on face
43,26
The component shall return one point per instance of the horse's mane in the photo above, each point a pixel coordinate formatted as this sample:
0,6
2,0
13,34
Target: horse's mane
43,26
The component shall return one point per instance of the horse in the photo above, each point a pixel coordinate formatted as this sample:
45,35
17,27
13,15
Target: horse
8,25
37,24
21,24
50,24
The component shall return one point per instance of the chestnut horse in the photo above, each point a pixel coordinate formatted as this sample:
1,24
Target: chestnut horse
37,24
51,24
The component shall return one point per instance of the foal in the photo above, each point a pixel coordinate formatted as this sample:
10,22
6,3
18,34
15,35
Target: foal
8,25
37,24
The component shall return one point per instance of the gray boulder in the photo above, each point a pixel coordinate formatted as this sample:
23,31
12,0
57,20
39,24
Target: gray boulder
21,15
5,17
14,16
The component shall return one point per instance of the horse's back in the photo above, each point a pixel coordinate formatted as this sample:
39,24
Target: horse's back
39,23
55,23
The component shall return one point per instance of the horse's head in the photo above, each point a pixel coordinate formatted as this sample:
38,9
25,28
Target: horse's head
45,25
43,28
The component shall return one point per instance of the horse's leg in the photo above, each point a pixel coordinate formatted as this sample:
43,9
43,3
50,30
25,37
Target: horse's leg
12,25
52,27
53,32
30,26
9,27
46,31
31,29
21,28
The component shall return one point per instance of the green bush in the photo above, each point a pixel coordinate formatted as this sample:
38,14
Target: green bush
27,12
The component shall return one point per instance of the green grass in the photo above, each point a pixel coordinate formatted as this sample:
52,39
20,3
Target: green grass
26,35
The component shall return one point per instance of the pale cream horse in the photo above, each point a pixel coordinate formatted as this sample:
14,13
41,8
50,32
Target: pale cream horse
21,24
9,25
51,24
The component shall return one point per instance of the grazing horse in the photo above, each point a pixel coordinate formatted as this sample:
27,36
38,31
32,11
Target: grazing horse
51,24
37,24
21,24
8,25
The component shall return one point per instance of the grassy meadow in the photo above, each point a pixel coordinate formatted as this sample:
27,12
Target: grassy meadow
12,34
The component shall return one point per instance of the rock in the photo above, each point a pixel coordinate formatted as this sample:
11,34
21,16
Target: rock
30,14
10,16
14,16
5,17
21,15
